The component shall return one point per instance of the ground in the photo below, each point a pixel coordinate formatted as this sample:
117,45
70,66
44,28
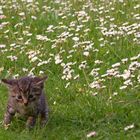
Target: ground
90,51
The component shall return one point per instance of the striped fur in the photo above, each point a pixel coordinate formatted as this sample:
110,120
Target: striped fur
27,98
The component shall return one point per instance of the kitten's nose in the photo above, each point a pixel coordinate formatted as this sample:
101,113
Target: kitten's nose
26,103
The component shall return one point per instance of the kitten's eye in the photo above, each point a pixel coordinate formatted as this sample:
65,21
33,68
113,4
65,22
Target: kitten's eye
19,97
31,96
35,89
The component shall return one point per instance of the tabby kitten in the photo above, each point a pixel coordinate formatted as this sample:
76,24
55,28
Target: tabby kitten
27,98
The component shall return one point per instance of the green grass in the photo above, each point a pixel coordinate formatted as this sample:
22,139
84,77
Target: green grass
74,110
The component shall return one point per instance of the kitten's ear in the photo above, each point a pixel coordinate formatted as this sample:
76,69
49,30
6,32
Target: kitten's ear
9,82
39,81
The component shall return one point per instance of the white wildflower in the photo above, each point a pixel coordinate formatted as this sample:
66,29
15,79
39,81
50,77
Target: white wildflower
121,1
41,72
138,78
124,60
115,93
44,62
16,76
115,65
67,85
2,46
24,69
54,102
95,93
32,54
83,65
126,74
104,75
129,127
42,38
94,72
22,14
31,74
86,53
123,87
113,72
77,76
12,58
34,59
29,1
63,64
134,58
2,16
128,82
75,39
98,62
95,84
134,65
1,69
91,134
33,17
58,59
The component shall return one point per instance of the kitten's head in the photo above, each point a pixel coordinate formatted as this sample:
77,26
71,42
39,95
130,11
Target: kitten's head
25,90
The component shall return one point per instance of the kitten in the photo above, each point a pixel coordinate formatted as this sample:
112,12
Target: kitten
27,98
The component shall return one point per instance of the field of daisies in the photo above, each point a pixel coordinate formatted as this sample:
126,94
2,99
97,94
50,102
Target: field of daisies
90,50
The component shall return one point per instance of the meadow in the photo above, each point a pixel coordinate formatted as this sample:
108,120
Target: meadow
90,50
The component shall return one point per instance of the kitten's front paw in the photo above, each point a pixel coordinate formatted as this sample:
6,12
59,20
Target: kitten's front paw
43,123
30,122
6,126
29,127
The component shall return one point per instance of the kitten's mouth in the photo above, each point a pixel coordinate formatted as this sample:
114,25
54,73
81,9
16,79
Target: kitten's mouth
23,104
